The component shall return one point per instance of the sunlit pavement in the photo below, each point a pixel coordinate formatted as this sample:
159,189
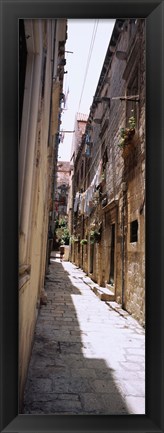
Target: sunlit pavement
87,358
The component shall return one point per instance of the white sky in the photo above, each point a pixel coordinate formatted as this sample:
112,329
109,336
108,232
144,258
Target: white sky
80,35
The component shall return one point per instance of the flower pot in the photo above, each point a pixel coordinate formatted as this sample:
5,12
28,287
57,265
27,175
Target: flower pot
104,202
127,149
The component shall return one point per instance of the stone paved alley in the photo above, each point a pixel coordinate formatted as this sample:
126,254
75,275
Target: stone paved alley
88,357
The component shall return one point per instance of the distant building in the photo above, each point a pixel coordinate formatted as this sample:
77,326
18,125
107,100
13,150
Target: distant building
62,190
80,124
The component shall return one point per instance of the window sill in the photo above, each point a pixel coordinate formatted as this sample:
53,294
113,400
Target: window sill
24,275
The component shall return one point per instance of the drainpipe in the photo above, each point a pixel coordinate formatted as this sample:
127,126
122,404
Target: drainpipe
50,113
82,238
123,251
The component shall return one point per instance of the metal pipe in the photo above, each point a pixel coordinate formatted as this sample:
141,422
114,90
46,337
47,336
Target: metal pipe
123,252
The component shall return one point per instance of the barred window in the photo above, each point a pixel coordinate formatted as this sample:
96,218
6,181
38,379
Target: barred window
134,231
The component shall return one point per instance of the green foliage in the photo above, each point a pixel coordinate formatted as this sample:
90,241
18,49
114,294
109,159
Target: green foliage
95,236
56,224
65,236
83,241
132,122
74,239
62,222
127,133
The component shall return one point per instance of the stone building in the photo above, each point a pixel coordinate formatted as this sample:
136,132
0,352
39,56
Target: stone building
62,190
41,72
80,125
108,216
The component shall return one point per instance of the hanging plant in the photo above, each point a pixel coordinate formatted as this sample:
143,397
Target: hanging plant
104,202
126,134
103,176
74,239
83,241
95,236
93,225
65,236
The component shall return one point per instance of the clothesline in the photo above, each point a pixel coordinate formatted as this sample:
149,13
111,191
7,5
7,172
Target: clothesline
84,201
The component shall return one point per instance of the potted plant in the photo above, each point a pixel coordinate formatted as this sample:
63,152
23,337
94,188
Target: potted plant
83,241
104,201
74,239
95,236
65,236
126,134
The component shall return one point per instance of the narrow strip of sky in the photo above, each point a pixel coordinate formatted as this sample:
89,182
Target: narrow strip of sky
89,40
89,59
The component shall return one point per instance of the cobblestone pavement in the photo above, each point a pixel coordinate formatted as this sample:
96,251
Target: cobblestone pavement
87,358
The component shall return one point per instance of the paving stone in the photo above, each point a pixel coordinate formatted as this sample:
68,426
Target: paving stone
71,385
92,403
41,386
134,388
105,386
83,372
135,405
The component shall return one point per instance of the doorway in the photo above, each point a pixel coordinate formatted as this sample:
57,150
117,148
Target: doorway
91,257
112,255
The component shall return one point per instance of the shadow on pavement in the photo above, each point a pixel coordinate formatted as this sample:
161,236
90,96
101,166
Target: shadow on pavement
65,377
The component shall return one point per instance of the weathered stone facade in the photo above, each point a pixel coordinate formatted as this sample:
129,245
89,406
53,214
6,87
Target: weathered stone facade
62,189
109,194
42,47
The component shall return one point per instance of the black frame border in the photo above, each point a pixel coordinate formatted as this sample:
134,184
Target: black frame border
153,12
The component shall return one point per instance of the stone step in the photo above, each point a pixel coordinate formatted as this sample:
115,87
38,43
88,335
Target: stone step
103,293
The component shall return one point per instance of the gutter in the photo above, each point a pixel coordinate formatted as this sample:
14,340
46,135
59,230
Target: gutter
123,253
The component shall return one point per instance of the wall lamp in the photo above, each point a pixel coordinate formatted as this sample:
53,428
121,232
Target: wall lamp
96,120
121,55
103,99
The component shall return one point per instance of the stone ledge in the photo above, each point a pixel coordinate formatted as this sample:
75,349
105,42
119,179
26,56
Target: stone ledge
23,280
103,293
118,308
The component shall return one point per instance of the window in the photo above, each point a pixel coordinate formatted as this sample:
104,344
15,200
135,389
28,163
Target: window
43,72
77,179
82,170
134,231
22,67
105,158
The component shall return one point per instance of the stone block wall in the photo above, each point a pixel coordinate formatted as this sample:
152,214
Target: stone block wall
124,175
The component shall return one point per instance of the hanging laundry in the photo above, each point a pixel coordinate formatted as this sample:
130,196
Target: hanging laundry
99,172
76,202
81,203
87,139
87,150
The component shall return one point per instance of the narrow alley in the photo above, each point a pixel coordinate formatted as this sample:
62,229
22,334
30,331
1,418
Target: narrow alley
88,356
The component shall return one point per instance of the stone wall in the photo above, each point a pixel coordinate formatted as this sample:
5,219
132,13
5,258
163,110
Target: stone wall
118,259
35,177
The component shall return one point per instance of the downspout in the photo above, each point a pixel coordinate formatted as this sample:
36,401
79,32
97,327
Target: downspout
52,81
123,251
49,131
72,216
82,238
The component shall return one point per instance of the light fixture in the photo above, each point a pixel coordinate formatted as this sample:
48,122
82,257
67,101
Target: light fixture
96,120
105,99
121,55
102,99
107,80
